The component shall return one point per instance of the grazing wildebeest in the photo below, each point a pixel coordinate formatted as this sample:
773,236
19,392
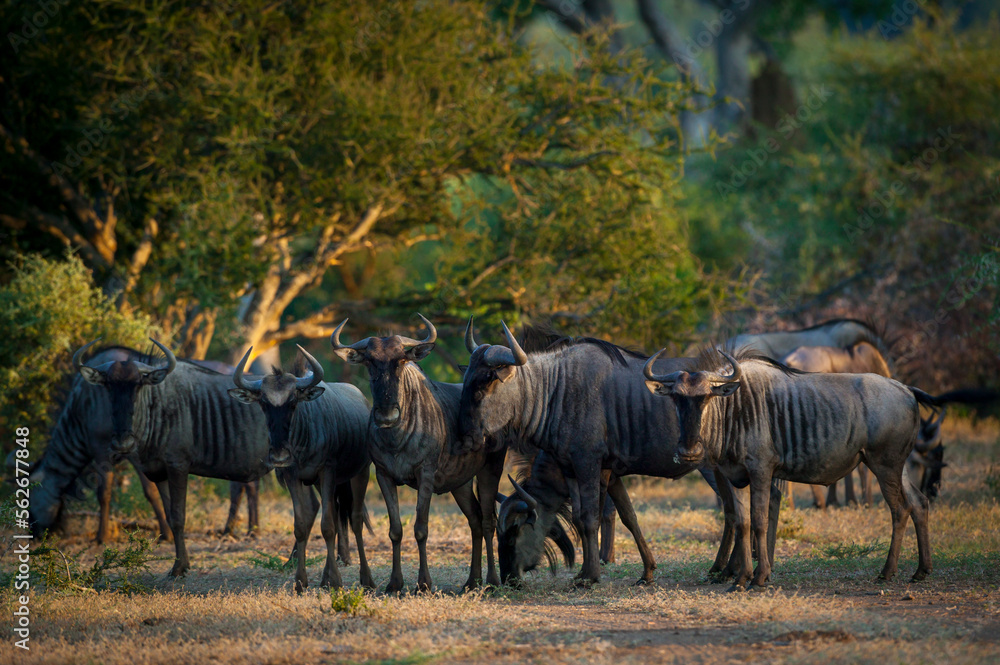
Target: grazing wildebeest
187,424
78,449
860,358
927,459
839,333
764,420
411,432
319,430
585,405
78,443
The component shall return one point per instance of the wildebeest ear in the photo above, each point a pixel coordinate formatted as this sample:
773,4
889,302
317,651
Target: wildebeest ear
243,395
91,376
350,355
658,388
504,373
726,389
463,368
309,394
155,377
419,352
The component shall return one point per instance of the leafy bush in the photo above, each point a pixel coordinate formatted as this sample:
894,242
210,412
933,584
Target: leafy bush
855,550
116,569
272,562
47,311
351,601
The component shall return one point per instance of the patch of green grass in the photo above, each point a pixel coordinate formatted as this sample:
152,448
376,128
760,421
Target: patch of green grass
854,550
116,569
349,601
277,563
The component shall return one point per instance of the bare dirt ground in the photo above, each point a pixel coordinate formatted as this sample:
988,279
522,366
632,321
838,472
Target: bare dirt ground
823,607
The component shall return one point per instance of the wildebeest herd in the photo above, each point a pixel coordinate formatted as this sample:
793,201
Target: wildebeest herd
758,411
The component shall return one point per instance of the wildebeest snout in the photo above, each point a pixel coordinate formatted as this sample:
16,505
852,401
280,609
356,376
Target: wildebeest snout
386,417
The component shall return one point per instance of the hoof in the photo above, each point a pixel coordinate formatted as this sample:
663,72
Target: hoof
736,588
920,575
584,582
392,589
643,581
300,586
179,570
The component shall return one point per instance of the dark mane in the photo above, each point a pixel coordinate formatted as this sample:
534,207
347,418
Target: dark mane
613,351
830,322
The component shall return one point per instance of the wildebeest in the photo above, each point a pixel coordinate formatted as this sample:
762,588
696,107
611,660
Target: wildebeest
860,358
187,424
839,333
585,405
927,459
411,430
764,420
78,443
319,430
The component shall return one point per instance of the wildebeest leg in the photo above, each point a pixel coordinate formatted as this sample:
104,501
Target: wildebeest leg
391,497
773,513
425,489
253,507
619,495
155,500
865,480
235,498
304,516
719,571
359,486
487,481
740,566
760,499
328,526
589,483
608,520
104,485
466,500
818,499
920,506
342,493
831,495
849,496
890,481
177,481
304,500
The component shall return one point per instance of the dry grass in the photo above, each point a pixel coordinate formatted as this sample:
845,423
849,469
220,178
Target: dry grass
823,607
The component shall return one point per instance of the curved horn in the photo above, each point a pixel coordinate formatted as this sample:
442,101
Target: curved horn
470,340
432,335
238,375
335,339
737,370
171,360
314,377
521,492
520,357
79,353
940,417
667,379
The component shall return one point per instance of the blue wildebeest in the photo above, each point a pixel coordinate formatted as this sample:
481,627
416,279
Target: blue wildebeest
860,358
765,420
412,428
584,405
319,430
78,448
839,333
187,424
78,445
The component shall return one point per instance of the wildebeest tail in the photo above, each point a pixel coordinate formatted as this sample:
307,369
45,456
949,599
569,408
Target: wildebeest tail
976,396
345,505
559,536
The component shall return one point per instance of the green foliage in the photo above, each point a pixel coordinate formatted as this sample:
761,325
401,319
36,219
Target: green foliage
351,601
277,563
47,311
854,550
116,569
